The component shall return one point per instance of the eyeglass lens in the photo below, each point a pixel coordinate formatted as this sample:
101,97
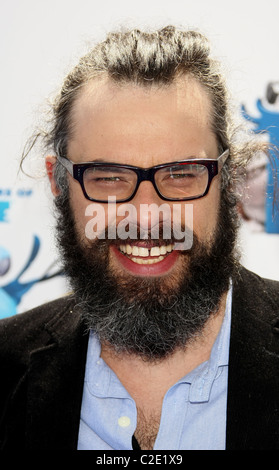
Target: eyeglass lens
101,182
181,181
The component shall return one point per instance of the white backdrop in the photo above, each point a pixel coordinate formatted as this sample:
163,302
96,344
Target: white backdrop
40,41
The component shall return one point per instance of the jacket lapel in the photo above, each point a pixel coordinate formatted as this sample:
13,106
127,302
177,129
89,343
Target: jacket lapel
55,385
253,387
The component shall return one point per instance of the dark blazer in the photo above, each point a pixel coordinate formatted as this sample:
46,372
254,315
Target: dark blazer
42,362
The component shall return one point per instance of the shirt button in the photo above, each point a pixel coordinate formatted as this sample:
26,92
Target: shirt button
124,421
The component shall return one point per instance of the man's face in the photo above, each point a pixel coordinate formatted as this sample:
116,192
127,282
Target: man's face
149,309
144,127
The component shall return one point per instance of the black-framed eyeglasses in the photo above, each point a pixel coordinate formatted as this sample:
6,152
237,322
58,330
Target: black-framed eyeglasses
177,181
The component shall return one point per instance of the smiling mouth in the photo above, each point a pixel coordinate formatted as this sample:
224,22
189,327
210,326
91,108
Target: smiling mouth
146,255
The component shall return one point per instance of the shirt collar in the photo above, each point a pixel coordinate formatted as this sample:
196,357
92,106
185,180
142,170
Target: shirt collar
202,378
100,378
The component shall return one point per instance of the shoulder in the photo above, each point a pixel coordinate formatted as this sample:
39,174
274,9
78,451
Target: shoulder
256,293
255,313
24,332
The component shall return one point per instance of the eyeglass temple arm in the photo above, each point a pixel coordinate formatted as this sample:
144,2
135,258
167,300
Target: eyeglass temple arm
222,159
66,163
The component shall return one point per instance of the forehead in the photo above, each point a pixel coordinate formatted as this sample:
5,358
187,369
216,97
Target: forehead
113,121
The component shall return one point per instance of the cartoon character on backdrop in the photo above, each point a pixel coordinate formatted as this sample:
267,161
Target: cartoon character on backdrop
267,122
252,206
12,293
14,260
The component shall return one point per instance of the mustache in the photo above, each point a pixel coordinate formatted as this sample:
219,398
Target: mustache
181,236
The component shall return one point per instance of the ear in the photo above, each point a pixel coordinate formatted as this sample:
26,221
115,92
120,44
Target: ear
50,167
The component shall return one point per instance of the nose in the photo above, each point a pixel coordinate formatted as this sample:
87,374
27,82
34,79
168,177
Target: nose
149,210
146,194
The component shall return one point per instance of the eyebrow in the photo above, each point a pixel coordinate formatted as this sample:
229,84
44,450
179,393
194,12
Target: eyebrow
97,160
178,159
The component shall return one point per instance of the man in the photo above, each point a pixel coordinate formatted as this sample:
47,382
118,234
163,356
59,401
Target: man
166,342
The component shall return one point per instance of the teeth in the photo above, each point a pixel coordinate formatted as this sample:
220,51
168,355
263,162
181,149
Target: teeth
128,249
163,250
135,251
143,251
157,252
147,261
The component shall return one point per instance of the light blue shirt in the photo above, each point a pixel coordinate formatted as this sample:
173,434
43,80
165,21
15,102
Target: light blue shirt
193,413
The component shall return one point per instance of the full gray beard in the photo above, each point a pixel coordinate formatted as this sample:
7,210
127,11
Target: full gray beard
147,316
